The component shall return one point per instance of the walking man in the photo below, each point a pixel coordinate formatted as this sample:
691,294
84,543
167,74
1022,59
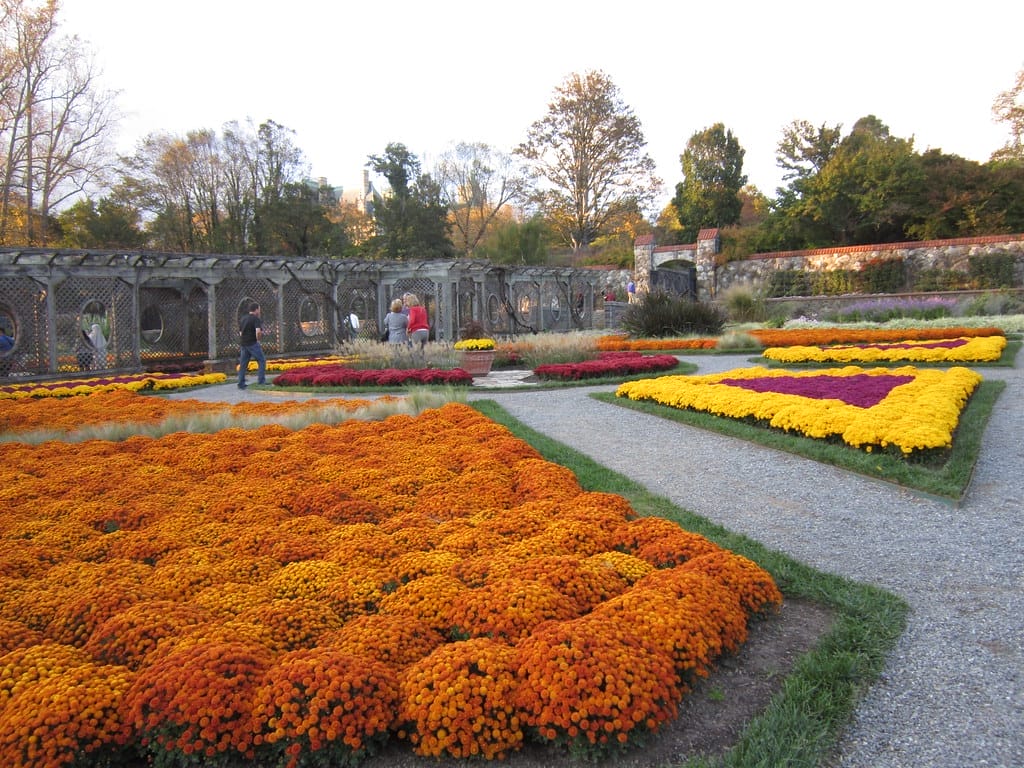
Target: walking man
251,329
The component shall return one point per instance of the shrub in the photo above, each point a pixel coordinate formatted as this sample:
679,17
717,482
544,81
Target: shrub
658,314
882,276
991,304
993,270
788,282
833,282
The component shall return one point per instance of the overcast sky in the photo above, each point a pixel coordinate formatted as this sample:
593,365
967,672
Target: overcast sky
349,78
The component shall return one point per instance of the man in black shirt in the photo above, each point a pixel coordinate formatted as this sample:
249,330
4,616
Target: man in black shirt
251,329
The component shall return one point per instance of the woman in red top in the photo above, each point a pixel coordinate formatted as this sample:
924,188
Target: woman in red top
419,327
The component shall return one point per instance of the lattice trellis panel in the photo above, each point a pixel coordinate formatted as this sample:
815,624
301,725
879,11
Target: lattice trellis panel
230,297
198,311
163,325
23,311
359,298
105,301
526,305
309,316
468,305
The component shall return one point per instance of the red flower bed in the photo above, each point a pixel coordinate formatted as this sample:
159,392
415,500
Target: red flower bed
608,364
343,376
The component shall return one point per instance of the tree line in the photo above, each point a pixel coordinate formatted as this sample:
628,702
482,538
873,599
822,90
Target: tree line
580,186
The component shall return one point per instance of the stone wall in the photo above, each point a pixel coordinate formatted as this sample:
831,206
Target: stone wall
755,270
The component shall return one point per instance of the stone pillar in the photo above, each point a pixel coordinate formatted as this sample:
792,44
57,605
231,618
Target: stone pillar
643,263
709,245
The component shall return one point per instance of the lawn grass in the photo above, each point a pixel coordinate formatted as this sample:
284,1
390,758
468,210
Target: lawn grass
804,720
947,480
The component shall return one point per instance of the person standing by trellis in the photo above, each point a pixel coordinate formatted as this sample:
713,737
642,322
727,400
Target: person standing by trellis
250,335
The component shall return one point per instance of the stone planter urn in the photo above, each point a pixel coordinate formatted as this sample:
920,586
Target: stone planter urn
476,362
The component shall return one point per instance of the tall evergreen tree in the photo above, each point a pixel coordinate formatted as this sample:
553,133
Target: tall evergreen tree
708,195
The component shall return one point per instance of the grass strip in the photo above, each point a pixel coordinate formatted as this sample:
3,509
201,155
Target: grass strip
947,481
802,723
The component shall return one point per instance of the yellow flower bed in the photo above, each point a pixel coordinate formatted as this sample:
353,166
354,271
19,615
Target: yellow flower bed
279,596
919,412
960,350
87,386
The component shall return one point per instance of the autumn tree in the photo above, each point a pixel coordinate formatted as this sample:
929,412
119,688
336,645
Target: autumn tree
243,192
476,183
708,195
55,122
1008,108
587,161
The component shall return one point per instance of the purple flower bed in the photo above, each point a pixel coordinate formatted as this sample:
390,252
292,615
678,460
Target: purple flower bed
608,364
860,390
343,376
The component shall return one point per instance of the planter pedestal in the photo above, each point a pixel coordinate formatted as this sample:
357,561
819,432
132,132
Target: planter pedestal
476,362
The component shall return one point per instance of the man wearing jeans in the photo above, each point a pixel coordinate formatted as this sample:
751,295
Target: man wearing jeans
251,332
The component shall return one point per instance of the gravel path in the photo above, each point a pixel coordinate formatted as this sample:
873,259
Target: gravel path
952,693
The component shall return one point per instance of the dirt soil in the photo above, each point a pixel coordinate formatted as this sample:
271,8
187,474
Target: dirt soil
711,717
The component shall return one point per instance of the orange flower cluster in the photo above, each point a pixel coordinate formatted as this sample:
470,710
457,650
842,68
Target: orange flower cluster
593,682
459,701
296,596
323,703
617,343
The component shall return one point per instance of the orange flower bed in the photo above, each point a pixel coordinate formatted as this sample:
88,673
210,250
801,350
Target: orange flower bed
614,343
296,597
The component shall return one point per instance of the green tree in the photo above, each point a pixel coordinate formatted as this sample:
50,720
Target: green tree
804,150
105,225
412,220
708,195
514,242
587,160
296,224
861,194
